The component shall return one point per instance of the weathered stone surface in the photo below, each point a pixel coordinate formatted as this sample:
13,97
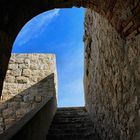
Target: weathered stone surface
73,123
1,125
38,98
8,112
122,14
112,87
13,66
10,79
16,72
1,120
112,68
1,129
26,72
22,80
13,104
26,87
21,112
9,122
28,98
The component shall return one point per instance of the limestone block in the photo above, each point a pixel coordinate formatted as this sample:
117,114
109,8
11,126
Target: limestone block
34,66
18,98
27,62
13,104
16,72
28,98
6,97
8,112
1,121
44,67
38,98
9,122
13,66
10,87
22,80
21,112
23,66
1,129
19,60
9,72
33,79
35,73
24,104
34,105
139,112
10,79
3,106
26,72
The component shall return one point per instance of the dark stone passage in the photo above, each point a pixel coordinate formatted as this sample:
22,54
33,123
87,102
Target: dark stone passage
111,71
72,124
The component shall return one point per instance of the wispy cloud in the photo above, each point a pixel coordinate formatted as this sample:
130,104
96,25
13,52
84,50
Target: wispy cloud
35,27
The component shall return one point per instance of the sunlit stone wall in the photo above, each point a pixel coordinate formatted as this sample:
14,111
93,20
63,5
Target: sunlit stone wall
30,79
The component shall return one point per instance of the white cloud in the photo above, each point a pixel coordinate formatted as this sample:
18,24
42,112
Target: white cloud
36,26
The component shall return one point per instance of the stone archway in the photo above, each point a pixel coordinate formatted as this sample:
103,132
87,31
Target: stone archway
112,54
123,15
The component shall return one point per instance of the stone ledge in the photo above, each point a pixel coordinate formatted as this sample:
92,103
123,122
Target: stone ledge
10,132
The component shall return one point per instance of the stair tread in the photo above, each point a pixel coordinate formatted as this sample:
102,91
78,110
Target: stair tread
72,124
70,121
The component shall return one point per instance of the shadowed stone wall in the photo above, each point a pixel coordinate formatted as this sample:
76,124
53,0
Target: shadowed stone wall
122,14
30,80
111,57
112,79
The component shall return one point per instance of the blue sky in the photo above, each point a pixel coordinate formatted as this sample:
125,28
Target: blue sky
60,32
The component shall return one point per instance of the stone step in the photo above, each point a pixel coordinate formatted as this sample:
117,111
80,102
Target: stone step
72,124
71,109
71,114
67,121
71,137
71,131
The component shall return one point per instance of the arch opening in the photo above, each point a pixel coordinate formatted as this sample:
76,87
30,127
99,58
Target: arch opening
111,61
47,33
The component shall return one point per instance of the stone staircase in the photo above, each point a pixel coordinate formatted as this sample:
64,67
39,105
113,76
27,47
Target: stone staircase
72,124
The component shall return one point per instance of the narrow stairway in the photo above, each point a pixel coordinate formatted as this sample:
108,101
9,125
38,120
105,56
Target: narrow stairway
72,124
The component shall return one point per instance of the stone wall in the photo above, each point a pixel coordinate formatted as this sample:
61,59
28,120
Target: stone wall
122,14
30,79
112,79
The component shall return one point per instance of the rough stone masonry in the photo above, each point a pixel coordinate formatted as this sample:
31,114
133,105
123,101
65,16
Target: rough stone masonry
28,82
112,79
112,58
